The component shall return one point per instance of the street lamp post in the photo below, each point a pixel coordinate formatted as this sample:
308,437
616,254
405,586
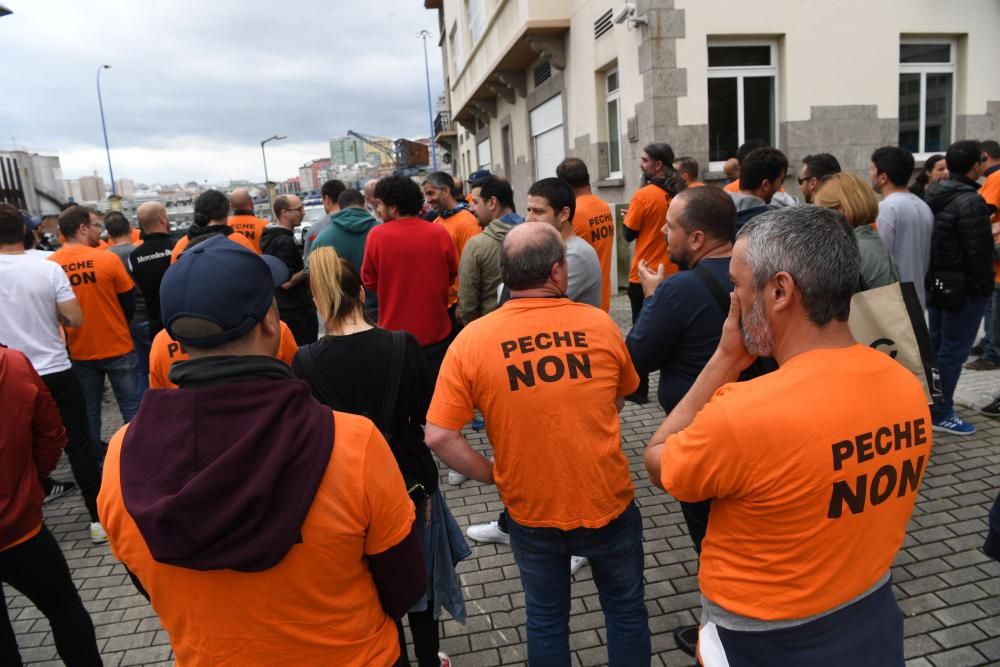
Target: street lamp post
267,181
104,127
423,34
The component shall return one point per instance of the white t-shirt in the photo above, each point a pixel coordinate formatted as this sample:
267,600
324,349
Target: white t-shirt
30,288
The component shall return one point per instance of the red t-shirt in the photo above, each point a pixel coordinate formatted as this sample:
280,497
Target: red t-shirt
411,263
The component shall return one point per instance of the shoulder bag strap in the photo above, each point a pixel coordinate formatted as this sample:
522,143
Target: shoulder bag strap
316,379
719,294
395,376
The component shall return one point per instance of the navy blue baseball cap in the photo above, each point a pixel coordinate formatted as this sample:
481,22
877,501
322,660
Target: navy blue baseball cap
479,175
221,282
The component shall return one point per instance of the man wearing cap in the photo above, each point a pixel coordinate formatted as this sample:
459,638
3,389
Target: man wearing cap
301,554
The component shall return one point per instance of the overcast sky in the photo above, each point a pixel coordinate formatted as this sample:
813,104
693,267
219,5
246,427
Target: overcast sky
196,85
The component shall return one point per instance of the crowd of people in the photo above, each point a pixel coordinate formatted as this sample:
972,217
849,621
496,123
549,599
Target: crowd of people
274,493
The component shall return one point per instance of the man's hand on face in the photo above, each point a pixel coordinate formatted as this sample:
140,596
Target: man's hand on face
732,351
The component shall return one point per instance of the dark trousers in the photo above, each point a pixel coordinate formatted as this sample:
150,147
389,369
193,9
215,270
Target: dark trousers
80,448
304,328
952,334
424,630
38,570
636,299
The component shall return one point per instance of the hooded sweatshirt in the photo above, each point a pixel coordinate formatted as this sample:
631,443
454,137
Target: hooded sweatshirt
479,272
202,476
347,233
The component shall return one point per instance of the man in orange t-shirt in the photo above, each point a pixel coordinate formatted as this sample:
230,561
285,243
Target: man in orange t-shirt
454,216
811,482
243,219
687,168
592,221
102,347
646,215
165,351
252,554
528,367
211,217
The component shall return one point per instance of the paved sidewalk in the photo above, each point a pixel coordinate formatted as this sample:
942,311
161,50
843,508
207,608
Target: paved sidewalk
948,590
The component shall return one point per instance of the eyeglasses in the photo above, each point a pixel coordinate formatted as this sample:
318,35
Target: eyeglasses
803,180
300,209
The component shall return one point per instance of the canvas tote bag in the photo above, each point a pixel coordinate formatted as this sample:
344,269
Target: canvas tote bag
890,319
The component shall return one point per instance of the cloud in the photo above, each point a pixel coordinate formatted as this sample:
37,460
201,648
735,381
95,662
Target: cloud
195,86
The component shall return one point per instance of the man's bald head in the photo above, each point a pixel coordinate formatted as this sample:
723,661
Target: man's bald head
528,254
152,217
240,200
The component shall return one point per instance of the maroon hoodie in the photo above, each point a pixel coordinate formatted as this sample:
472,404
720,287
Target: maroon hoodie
221,473
33,438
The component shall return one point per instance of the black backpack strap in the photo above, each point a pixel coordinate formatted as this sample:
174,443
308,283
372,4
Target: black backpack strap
719,294
395,377
316,379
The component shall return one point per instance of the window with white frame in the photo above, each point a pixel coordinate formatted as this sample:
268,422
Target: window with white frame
926,95
742,97
455,46
476,11
483,154
612,92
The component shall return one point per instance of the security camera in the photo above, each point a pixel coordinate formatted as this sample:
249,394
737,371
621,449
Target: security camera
627,10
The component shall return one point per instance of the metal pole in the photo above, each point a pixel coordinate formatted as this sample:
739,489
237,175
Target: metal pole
423,34
263,155
104,127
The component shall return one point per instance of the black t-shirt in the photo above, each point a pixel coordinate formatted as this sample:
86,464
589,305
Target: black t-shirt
148,263
356,367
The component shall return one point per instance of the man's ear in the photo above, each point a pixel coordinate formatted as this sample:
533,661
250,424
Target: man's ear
784,290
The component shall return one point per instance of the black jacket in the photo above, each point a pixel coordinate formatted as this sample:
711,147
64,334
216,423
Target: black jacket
149,262
297,301
961,241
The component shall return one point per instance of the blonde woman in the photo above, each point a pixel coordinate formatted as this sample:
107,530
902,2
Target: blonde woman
362,369
854,198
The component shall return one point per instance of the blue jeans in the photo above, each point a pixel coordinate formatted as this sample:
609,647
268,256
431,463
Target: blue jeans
123,373
142,341
616,560
952,334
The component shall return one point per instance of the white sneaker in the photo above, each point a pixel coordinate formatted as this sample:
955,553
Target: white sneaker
445,660
97,534
575,563
456,478
488,533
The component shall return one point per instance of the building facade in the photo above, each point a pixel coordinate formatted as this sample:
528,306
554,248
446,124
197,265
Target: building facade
32,182
529,82
311,174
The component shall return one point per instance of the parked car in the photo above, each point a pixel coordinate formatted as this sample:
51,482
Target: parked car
313,214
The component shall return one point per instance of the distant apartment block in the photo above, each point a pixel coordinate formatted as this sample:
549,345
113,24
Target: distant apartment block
310,174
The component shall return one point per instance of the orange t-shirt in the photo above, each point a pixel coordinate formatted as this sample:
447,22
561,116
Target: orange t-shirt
164,351
461,227
249,226
545,373
990,192
812,482
732,186
101,243
594,223
647,213
235,236
97,278
696,184
319,605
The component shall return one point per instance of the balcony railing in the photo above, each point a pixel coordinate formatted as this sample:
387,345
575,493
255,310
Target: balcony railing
442,123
